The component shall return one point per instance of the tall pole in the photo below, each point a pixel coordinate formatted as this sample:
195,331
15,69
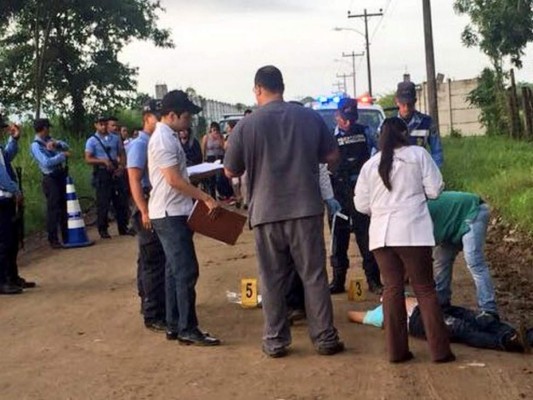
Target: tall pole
366,15
344,76
338,85
433,107
353,54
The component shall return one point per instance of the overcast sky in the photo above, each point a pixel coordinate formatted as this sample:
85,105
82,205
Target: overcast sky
221,43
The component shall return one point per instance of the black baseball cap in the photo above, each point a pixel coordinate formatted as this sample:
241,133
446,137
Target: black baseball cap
152,106
41,123
348,109
406,92
178,101
3,124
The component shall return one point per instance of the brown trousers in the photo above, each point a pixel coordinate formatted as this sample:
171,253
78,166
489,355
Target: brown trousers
394,263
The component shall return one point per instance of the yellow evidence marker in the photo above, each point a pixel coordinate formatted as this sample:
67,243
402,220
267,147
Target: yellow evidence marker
249,293
356,290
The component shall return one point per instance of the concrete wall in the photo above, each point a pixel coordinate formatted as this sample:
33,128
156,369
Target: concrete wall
454,109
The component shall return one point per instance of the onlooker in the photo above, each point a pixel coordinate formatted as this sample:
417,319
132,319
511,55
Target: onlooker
51,155
10,199
421,128
213,150
460,222
169,207
151,260
104,152
392,189
191,147
280,147
125,136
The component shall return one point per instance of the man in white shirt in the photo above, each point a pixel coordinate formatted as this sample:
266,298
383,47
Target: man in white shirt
171,202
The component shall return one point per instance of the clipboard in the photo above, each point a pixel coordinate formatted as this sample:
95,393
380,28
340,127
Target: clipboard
203,171
226,228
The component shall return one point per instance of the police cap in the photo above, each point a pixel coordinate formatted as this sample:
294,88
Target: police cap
348,109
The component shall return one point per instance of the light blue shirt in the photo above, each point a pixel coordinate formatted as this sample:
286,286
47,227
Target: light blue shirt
8,183
110,141
137,155
48,160
374,317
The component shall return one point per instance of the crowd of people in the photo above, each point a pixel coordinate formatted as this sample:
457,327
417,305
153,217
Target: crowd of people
283,164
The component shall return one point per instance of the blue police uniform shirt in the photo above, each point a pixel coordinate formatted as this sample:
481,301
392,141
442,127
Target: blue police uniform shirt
110,141
137,156
422,132
8,179
49,161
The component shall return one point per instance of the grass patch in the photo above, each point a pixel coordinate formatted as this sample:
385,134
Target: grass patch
498,169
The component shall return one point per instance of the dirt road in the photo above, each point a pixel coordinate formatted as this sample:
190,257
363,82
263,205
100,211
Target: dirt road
80,336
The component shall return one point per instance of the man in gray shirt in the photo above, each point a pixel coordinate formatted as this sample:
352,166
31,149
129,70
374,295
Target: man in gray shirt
280,147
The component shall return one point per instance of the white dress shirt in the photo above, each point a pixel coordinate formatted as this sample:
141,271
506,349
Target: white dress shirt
399,217
164,151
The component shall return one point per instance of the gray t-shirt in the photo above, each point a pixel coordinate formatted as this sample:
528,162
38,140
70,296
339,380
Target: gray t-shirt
280,146
164,151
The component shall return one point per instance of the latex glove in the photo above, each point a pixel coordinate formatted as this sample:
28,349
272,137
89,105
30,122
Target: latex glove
333,206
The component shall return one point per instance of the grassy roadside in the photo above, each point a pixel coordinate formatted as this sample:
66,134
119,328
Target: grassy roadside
498,169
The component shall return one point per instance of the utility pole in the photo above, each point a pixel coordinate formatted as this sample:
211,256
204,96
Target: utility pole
344,76
353,54
338,85
366,15
433,107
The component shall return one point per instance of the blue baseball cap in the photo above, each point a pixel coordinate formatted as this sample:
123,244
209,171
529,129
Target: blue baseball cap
348,109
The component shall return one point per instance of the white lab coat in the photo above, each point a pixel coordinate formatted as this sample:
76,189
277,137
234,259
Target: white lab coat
399,217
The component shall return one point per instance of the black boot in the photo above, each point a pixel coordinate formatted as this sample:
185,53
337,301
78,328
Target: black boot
337,284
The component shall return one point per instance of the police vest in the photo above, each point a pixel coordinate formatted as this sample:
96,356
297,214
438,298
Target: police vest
419,133
353,147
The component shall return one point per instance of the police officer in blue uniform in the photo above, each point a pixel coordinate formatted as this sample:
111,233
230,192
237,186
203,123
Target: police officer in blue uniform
355,144
422,130
10,198
104,152
51,156
151,260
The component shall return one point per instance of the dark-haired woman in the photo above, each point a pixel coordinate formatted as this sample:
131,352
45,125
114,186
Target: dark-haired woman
392,188
213,150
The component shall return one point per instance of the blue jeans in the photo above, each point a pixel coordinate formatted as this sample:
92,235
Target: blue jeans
464,328
473,251
181,274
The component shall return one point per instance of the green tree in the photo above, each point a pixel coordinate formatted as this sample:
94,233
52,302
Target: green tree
61,56
501,29
388,102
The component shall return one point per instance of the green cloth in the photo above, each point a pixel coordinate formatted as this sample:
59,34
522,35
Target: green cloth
450,213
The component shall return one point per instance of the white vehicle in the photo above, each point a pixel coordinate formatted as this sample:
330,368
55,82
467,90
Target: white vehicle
226,119
369,114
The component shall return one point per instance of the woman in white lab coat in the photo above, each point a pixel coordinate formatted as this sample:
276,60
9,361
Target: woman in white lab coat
392,188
